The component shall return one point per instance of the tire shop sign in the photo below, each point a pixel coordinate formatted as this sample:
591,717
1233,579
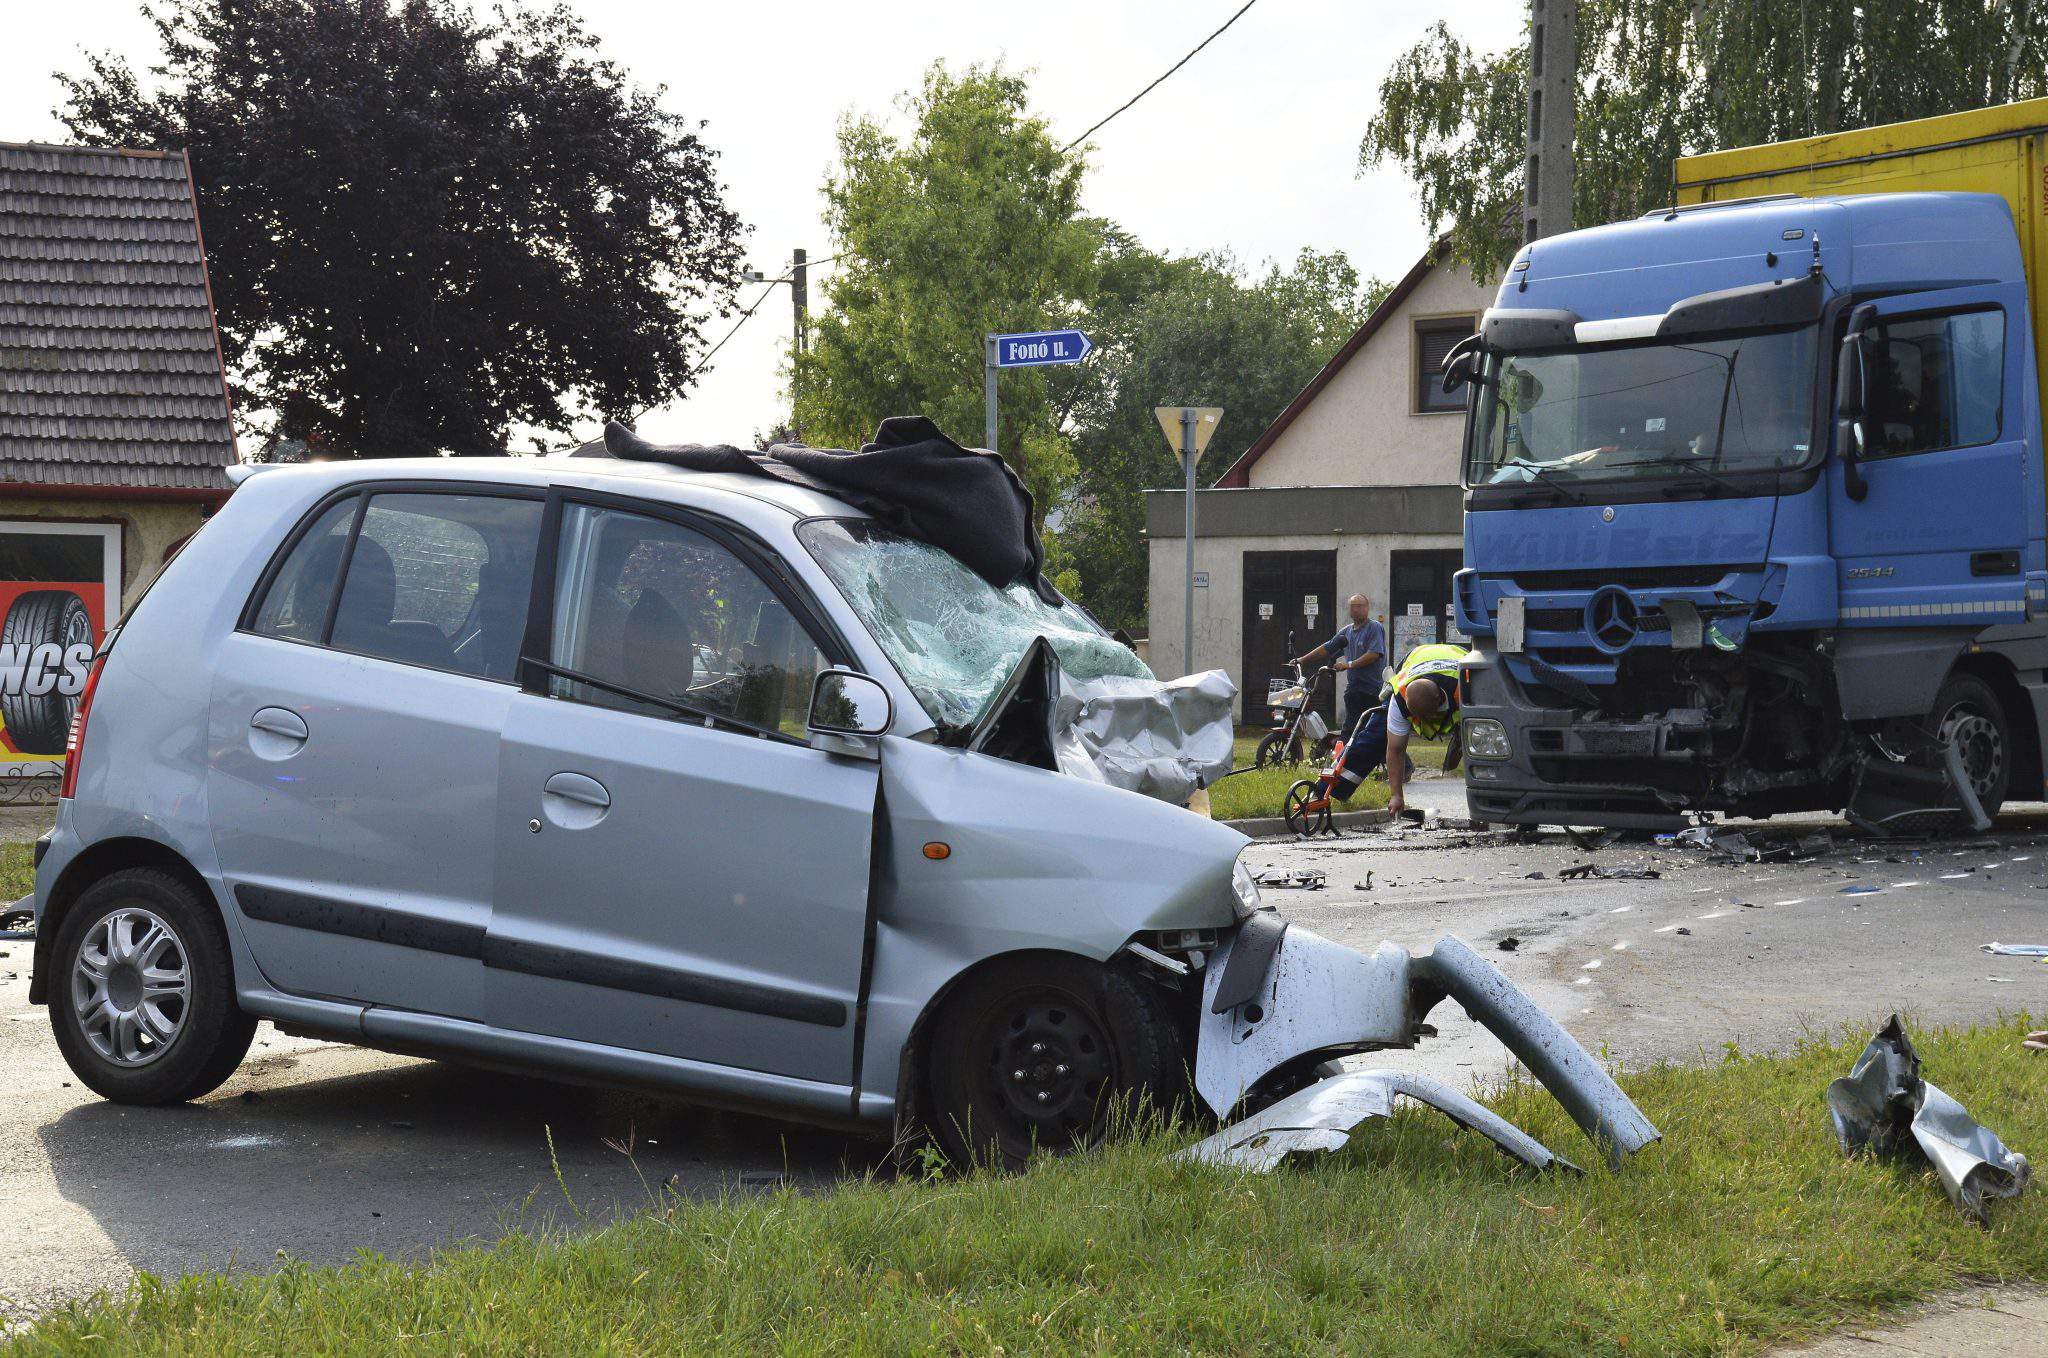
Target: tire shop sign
56,584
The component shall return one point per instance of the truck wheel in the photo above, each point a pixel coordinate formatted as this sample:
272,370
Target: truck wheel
38,723
1042,1053
142,994
1275,748
1967,712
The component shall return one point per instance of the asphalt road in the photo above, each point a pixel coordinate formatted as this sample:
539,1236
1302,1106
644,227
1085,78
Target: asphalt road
319,1150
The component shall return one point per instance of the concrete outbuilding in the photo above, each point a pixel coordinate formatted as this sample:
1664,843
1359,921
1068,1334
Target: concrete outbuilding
1355,488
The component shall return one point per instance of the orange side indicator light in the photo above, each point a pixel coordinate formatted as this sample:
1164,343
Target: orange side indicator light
937,850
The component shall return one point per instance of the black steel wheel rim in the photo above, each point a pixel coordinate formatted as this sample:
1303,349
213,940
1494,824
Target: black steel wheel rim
1051,1065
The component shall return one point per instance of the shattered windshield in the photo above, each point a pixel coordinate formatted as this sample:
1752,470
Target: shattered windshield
1705,407
953,636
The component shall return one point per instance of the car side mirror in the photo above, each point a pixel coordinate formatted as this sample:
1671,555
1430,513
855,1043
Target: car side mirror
1853,378
848,711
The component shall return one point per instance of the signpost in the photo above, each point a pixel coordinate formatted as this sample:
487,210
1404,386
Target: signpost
1188,430
1035,349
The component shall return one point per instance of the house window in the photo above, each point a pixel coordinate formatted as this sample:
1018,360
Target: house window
1433,340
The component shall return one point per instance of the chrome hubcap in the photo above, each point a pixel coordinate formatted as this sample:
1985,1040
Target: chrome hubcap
131,987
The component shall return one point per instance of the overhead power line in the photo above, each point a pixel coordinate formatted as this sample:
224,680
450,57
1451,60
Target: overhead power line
1162,79
1122,108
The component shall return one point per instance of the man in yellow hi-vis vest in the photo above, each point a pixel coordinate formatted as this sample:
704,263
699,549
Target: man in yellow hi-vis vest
1421,699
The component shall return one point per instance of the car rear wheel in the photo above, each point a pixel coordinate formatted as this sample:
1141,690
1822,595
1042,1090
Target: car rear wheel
142,1000
1043,1053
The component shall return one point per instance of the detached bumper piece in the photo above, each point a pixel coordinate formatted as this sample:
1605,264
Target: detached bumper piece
1294,999
1323,1117
1882,1107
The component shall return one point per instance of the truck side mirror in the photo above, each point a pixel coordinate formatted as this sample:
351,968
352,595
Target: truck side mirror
1852,397
1461,364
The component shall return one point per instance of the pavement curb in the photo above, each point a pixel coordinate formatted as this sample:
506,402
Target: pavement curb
1269,827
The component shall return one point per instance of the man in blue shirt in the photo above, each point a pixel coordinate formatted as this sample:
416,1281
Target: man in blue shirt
1359,651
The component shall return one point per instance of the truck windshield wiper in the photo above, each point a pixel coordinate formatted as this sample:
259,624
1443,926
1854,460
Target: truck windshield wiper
1681,470
1543,476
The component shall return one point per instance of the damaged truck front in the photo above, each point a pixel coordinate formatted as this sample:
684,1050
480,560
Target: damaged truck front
1755,509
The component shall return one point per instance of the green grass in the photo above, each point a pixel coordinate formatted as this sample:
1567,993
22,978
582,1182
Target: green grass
1745,1228
17,871
1261,793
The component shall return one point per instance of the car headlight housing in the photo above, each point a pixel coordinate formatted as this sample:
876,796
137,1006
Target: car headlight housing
1486,738
1245,891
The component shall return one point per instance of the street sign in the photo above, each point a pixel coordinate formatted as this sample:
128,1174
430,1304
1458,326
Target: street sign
1178,422
1201,579
1041,348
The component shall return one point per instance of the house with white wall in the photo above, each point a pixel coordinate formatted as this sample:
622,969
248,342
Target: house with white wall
1354,489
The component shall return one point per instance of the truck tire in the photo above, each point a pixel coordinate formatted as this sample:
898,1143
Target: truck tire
1042,1053
1969,713
39,723
142,991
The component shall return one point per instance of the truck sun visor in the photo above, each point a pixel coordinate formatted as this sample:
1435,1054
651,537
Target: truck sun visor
911,477
1755,306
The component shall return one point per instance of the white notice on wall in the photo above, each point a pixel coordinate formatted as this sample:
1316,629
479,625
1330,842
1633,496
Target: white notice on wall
1201,579
1415,610
1265,612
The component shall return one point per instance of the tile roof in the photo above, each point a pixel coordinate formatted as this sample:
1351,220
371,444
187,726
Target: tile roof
110,372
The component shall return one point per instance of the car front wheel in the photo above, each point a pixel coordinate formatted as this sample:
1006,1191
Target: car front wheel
142,999
1042,1053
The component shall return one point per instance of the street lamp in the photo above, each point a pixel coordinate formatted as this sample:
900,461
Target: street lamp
1188,430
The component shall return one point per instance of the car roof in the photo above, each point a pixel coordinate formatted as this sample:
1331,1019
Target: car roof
654,480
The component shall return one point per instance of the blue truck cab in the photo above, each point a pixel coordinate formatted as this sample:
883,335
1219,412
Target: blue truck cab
1755,516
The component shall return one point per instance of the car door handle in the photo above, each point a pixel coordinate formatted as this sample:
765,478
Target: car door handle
577,787
279,721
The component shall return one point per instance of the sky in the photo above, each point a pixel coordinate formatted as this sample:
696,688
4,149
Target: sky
1252,147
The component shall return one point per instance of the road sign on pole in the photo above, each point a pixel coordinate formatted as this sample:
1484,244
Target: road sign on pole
1041,348
1188,430
1037,349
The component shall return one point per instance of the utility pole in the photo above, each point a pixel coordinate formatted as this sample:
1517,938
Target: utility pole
800,300
1553,105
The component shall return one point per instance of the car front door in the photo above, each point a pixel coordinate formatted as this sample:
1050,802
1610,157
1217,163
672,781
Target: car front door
353,744
679,871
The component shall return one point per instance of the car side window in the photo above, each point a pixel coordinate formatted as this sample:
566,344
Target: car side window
1937,382
295,607
440,580
653,607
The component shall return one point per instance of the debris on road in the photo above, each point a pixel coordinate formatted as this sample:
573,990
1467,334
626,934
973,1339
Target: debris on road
17,920
1297,879
1323,1117
1277,994
1579,871
1883,1101
2016,949
1509,944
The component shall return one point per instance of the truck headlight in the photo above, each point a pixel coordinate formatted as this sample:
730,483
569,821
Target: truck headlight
1486,739
1245,890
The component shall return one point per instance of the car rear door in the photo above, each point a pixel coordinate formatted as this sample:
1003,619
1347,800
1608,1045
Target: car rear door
353,743
678,870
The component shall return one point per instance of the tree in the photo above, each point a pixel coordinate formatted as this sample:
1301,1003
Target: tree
1186,331
968,225
423,228
1663,78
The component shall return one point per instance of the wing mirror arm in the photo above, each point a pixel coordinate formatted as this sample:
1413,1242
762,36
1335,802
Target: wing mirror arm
1852,399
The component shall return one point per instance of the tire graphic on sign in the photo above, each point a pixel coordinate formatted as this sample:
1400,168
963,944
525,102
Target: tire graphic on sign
38,721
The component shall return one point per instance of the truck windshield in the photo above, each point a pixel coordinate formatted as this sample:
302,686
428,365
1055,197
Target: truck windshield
1712,405
953,636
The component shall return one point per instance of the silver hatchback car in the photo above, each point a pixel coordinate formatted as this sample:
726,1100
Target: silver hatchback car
705,784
